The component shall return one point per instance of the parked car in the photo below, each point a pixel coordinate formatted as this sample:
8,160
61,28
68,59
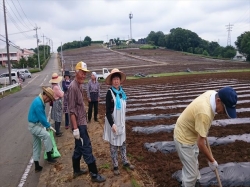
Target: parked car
25,72
4,78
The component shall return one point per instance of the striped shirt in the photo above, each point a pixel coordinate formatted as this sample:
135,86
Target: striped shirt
76,103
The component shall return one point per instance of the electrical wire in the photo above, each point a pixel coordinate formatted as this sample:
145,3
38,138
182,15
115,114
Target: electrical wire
25,14
24,24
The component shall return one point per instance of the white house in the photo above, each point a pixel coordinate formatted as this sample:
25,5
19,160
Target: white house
239,57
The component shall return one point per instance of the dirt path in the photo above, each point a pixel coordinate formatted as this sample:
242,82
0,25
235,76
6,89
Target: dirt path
62,173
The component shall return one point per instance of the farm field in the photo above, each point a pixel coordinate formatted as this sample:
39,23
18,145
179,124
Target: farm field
153,107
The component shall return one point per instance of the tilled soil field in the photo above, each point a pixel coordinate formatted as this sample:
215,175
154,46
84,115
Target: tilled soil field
159,101
168,97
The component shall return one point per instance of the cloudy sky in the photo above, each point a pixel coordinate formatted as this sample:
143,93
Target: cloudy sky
67,20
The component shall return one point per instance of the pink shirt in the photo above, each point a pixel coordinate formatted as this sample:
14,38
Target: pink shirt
58,93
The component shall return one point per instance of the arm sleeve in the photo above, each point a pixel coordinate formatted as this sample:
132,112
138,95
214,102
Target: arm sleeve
58,92
109,107
65,88
72,101
88,93
202,124
40,113
99,87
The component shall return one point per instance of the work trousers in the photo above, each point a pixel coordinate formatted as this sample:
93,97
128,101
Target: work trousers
83,147
188,155
39,133
114,154
91,104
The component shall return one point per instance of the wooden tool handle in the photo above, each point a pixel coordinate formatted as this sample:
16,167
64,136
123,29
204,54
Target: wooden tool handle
216,170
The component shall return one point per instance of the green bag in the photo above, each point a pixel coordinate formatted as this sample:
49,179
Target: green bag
55,153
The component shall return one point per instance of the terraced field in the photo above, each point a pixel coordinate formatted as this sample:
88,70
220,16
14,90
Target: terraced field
154,105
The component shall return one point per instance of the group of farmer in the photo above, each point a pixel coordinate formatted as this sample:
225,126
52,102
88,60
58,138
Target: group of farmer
190,131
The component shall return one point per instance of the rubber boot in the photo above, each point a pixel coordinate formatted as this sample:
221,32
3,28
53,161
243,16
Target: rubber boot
50,159
76,168
38,167
95,177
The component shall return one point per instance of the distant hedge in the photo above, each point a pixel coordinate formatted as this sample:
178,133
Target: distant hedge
97,42
148,47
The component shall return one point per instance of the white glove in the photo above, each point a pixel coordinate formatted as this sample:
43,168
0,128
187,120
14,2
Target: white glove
114,128
76,134
213,165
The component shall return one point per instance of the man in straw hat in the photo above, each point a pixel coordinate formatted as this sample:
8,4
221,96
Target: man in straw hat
79,126
115,126
192,128
56,112
37,121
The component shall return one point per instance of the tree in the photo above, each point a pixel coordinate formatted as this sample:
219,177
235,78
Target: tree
88,39
228,52
243,44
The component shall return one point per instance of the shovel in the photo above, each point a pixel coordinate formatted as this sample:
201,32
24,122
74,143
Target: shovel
216,170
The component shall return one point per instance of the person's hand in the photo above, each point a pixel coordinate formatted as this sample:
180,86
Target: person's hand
114,128
76,134
213,165
89,100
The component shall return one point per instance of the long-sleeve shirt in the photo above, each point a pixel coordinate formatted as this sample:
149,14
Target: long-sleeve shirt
75,102
37,112
93,90
58,93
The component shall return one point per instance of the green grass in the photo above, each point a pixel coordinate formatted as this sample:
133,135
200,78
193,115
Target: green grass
134,183
105,166
34,70
148,47
13,90
190,73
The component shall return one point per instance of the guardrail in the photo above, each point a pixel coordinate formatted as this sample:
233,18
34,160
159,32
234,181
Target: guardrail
2,90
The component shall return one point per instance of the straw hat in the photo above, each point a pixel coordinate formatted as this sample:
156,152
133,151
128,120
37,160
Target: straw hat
82,66
115,70
49,92
55,78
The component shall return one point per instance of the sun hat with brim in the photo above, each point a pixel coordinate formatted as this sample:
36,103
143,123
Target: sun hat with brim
49,92
81,66
55,78
228,96
115,70
66,73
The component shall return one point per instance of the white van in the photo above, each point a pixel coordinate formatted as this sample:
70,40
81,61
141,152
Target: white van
25,72
4,78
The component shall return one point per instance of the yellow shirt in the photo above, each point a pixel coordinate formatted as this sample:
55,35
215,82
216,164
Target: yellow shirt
195,119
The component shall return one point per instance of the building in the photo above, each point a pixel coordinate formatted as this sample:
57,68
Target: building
15,55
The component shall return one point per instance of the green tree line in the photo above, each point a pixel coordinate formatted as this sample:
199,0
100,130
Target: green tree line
75,44
185,40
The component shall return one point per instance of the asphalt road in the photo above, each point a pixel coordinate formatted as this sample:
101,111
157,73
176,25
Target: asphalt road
15,138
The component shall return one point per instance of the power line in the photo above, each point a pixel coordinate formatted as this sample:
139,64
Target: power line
25,14
20,16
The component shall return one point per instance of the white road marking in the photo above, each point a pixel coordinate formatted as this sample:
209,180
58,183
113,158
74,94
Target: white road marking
27,170
31,81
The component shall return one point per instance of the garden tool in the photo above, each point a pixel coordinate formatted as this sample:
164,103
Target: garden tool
216,170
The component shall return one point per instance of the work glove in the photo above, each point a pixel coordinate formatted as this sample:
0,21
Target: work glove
114,128
76,134
213,165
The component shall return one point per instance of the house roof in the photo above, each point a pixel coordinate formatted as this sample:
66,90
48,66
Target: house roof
11,50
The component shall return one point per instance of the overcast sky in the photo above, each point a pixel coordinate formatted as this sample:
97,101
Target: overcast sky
68,20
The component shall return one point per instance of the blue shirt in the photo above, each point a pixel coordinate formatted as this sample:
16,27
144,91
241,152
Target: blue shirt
37,112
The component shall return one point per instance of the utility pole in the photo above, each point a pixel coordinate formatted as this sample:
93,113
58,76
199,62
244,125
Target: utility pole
62,58
37,43
130,17
107,38
7,42
80,41
229,28
43,47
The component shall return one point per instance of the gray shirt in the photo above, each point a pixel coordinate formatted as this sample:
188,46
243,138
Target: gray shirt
76,103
